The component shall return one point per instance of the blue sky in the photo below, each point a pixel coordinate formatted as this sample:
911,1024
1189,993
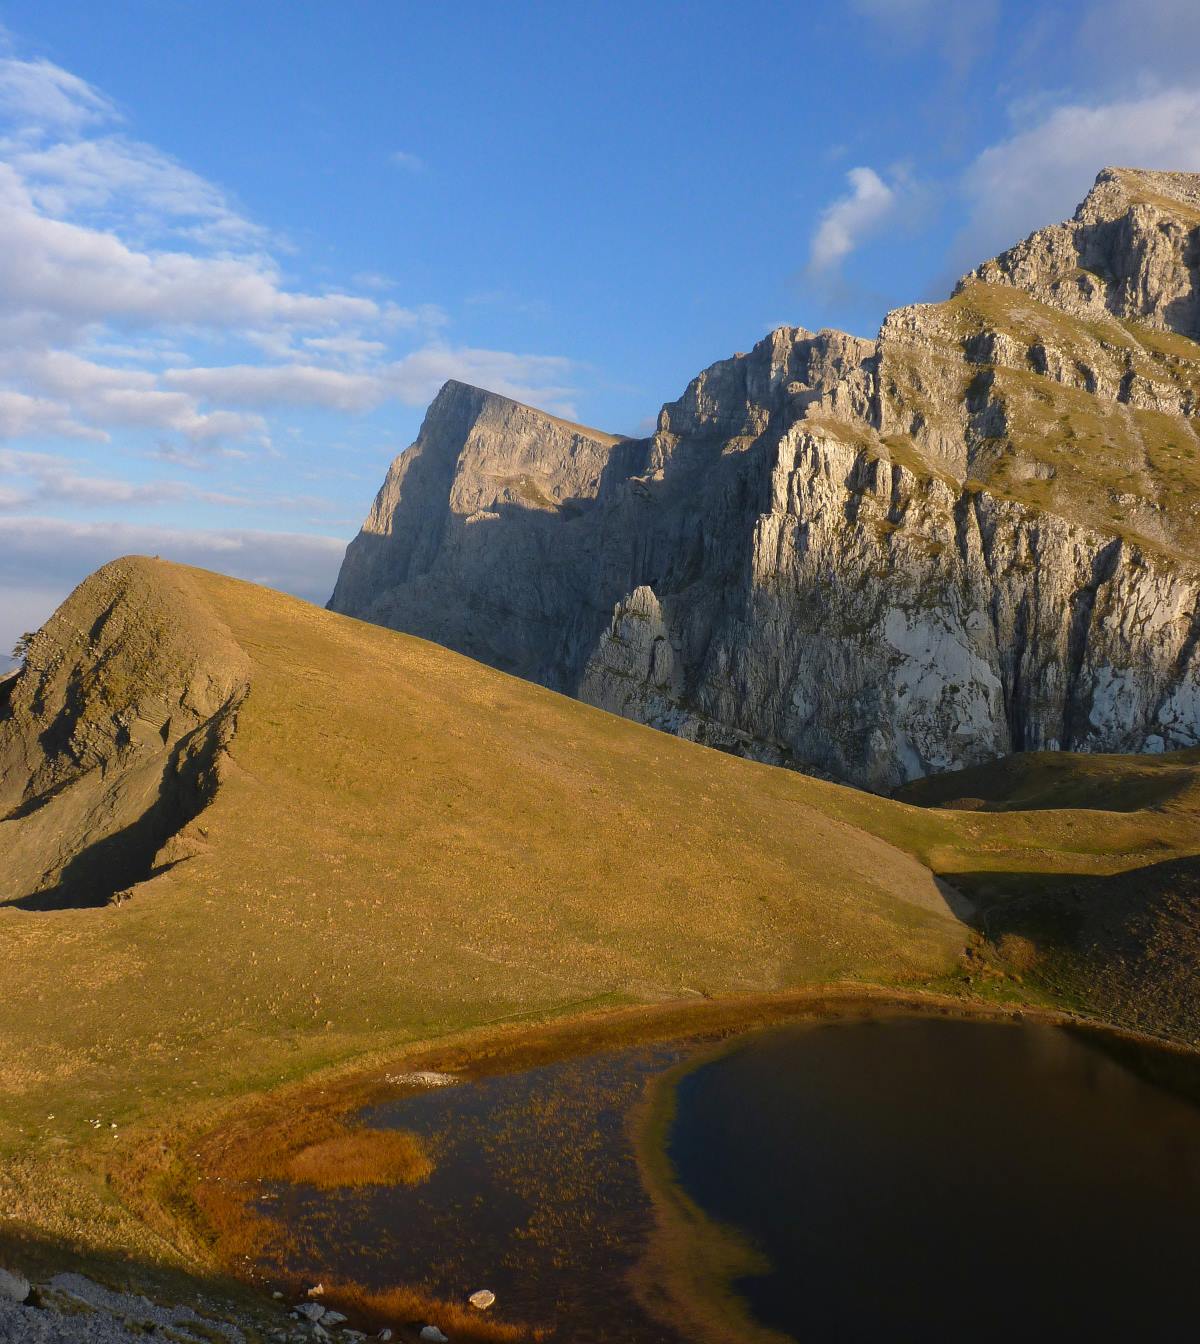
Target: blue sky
243,244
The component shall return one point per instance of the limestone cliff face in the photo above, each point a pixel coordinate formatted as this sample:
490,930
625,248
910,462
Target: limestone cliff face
473,540
979,533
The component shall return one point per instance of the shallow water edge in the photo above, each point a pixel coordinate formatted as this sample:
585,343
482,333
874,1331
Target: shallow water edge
215,1173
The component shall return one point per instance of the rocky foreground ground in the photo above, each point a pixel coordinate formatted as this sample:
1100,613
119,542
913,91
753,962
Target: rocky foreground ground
72,1309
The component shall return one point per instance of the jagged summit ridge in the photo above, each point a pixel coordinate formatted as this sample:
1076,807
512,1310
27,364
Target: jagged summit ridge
976,534
1132,250
439,528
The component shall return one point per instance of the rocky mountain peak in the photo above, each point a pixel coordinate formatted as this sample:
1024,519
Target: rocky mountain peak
1132,251
875,559
1118,190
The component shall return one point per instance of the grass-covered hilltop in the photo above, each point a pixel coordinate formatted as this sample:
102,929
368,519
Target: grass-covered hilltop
245,840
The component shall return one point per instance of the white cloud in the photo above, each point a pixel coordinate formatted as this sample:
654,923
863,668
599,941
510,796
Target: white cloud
105,396
1155,38
52,479
375,280
24,416
81,274
961,33
413,380
851,218
1040,173
112,254
403,159
542,380
45,94
55,479
145,187
346,349
281,385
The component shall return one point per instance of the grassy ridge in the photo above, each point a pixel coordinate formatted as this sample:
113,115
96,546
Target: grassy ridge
405,843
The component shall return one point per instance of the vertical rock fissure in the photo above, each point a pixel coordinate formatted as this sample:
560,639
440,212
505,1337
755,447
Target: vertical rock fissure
1083,602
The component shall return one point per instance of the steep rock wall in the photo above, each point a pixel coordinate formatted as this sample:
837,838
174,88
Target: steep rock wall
974,535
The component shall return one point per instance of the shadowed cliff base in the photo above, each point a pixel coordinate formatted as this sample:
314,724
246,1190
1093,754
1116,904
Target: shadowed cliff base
1125,946
1042,779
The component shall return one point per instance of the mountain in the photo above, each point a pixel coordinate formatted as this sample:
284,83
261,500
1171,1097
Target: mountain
977,534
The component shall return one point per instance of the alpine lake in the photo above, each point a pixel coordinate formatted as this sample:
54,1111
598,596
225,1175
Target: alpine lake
900,1177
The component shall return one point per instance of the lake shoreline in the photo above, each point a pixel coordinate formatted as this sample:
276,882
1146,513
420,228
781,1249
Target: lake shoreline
191,1182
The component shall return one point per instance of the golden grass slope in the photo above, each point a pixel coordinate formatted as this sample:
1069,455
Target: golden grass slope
404,843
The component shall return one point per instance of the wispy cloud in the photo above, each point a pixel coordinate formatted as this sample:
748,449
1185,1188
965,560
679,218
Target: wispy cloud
412,163
413,380
112,255
961,33
30,479
850,219
44,93
1040,172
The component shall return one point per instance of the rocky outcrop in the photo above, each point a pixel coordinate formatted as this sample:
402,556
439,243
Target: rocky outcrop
975,535
470,541
71,1309
113,736
1132,251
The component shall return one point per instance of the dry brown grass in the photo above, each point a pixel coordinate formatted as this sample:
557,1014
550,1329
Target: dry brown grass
361,1157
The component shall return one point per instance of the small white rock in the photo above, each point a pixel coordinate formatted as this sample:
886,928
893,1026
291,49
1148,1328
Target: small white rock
332,1318
483,1299
311,1311
432,1335
421,1078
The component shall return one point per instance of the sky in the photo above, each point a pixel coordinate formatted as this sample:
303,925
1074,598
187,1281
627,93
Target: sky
242,244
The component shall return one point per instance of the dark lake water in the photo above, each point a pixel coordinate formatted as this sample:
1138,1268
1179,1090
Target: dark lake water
906,1179
937,1180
